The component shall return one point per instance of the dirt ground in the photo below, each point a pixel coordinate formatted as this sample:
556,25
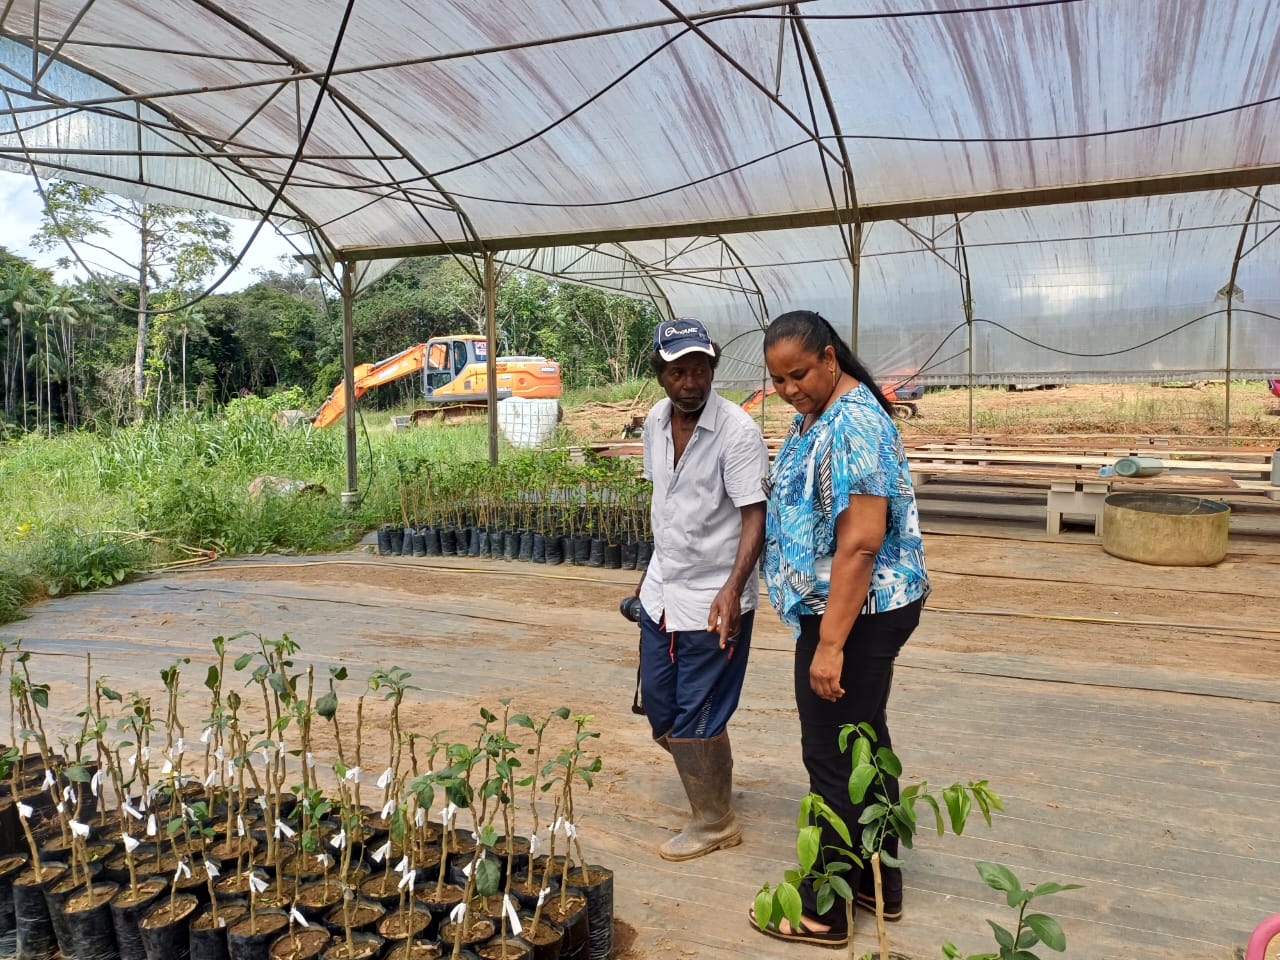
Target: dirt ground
1084,687
1139,408
1217,613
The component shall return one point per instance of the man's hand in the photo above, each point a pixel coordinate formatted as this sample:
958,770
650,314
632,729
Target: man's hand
825,670
638,586
726,614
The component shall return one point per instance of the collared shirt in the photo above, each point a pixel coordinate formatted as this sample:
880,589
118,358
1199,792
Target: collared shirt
852,449
694,511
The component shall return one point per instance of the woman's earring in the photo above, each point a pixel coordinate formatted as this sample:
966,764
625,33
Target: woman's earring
834,377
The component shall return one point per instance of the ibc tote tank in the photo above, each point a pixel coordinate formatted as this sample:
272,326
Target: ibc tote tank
528,424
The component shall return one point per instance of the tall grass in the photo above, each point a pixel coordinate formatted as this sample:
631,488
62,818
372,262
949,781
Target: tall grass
85,510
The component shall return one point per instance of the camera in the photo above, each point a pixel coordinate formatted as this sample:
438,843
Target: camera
631,608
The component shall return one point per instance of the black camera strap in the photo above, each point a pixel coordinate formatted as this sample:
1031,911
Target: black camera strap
637,702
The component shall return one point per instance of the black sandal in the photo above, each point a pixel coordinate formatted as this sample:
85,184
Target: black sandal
802,934
892,911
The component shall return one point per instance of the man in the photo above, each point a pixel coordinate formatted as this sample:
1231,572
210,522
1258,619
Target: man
707,462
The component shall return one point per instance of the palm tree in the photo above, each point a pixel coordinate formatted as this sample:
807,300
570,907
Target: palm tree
19,292
61,306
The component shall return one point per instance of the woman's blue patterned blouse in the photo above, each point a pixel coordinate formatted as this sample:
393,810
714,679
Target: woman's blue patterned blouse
852,449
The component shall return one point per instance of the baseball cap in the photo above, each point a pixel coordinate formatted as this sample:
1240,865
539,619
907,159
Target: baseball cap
672,339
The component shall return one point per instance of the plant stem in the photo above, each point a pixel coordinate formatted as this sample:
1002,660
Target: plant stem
880,931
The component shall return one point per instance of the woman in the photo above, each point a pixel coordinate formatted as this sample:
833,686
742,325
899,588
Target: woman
844,563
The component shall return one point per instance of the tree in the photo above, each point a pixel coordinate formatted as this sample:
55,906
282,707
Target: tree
168,247
21,287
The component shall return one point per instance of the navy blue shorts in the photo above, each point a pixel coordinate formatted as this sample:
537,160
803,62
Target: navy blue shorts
690,686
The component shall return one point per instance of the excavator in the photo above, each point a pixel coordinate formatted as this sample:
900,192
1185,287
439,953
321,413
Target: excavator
455,378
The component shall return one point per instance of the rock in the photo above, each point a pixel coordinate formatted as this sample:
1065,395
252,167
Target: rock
267,486
290,418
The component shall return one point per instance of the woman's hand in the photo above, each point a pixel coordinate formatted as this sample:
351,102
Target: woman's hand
825,670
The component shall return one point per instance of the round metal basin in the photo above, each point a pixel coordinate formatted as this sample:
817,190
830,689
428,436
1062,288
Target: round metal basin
1165,529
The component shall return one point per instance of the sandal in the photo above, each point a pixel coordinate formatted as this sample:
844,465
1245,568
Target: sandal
892,911
802,934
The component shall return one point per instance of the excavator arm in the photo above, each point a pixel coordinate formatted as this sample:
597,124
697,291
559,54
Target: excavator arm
368,376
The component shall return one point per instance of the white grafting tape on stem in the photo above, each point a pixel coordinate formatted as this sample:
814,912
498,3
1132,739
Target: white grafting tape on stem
512,916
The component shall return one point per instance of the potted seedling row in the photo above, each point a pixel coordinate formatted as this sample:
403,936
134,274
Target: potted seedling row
238,840
538,508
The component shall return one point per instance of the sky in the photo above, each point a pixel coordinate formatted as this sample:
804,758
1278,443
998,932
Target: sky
20,208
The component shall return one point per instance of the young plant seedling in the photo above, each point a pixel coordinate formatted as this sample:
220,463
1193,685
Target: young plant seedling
1031,930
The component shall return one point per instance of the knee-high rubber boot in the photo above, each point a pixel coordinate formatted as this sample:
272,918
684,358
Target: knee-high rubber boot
706,770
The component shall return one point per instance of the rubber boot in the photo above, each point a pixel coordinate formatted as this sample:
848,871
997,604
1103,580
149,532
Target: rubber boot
706,770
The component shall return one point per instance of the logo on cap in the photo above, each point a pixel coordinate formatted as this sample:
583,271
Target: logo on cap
676,338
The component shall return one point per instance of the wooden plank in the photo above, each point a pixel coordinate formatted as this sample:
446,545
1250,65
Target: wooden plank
1049,474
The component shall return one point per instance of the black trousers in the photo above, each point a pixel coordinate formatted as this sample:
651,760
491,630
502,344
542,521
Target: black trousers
869,654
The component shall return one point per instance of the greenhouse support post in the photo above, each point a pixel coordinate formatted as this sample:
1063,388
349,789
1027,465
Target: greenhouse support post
1231,295
491,356
351,495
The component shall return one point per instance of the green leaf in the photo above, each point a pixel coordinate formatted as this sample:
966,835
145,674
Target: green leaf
1048,930
488,876
243,661
1044,889
861,752
889,762
889,860
859,780
1027,938
76,773
872,813
958,806
764,907
40,695
841,886
826,898
997,876
937,813
808,841
327,705
111,694
788,898
1003,936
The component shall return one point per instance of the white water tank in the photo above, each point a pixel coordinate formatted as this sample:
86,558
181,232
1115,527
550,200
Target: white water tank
528,424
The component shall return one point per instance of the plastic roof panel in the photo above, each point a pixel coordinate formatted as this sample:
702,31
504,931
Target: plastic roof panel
696,153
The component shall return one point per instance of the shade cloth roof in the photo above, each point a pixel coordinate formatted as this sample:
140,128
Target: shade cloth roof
1081,171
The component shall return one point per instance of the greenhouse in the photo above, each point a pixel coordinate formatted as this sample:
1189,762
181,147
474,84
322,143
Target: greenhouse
975,193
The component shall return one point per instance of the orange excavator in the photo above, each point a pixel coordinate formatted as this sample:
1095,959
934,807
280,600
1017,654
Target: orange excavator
455,378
